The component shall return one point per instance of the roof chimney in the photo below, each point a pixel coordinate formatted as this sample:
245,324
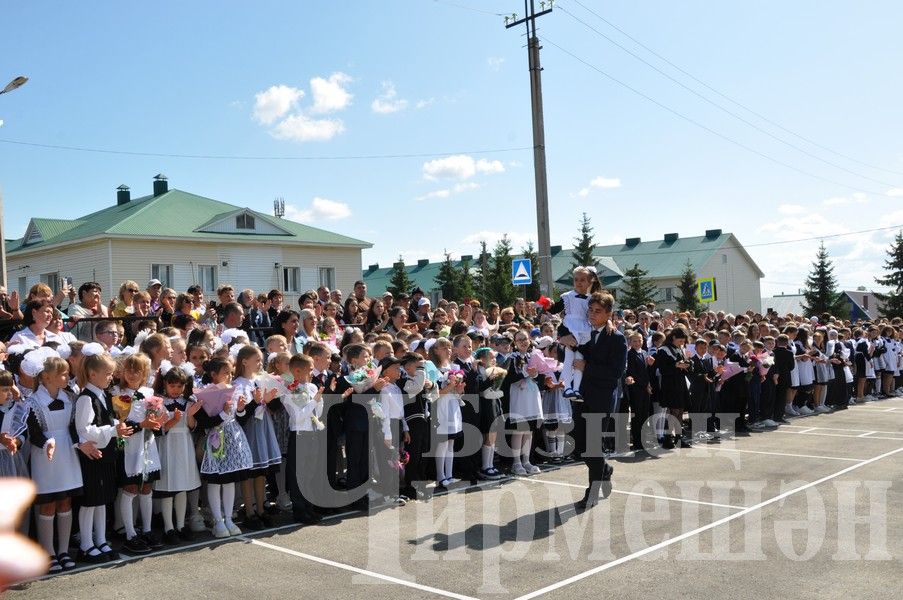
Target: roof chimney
123,196
160,185
670,238
632,242
423,262
712,234
554,250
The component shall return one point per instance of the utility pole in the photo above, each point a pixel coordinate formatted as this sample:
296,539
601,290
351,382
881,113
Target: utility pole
539,139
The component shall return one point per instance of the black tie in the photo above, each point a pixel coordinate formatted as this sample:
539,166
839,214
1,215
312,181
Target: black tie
593,336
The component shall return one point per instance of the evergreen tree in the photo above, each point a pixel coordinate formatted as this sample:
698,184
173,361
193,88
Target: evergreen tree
400,281
465,281
498,286
532,291
636,289
448,279
584,246
482,274
688,299
893,301
821,293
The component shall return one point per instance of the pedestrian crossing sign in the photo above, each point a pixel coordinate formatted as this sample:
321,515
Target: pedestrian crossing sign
521,271
706,290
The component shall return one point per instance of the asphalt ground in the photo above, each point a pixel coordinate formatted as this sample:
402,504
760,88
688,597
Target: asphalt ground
811,510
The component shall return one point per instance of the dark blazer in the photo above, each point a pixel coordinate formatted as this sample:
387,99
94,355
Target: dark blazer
784,362
637,367
606,362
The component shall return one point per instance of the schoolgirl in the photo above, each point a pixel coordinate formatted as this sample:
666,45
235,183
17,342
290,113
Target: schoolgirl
98,430
556,409
227,457
418,387
522,386
260,433
179,473
489,385
806,369
824,373
54,463
134,403
12,464
447,418
157,348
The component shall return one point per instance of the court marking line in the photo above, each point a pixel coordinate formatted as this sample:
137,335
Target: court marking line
866,434
783,454
375,575
840,435
625,493
806,430
704,528
842,429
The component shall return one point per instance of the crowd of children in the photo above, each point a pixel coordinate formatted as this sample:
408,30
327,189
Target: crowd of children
218,418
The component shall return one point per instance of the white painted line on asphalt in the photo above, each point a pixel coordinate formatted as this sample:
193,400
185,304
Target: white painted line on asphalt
807,430
375,575
839,435
626,493
784,454
842,430
866,434
704,528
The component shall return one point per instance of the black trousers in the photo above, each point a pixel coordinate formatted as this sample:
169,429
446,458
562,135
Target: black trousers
780,401
357,450
301,468
641,409
415,471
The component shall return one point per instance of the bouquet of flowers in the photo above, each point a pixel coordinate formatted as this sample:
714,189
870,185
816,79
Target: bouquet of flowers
398,463
363,378
299,395
496,375
122,404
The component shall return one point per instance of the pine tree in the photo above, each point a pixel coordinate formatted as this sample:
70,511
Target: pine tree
584,246
532,291
482,274
637,289
498,286
688,299
465,281
448,279
821,294
400,283
892,301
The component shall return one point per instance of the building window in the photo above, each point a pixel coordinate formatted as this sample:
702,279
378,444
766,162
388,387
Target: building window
724,259
865,301
163,273
327,277
668,294
52,280
291,279
244,221
207,278
23,287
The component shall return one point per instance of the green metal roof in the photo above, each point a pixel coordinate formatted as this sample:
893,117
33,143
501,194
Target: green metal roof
172,214
663,260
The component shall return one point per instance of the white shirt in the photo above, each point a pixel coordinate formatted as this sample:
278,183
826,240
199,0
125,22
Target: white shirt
84,417
26,337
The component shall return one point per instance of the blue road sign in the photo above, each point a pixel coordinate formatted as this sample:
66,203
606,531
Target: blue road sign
521,271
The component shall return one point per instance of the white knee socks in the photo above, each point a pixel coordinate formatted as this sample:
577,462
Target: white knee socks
444,460
166,511
100,526
487,453
180,500
146,504
45,533
128,517
85,525
63,531
228,502
214,499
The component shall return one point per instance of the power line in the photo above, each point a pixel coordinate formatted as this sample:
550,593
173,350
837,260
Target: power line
728,98
241,157
722,108
709,129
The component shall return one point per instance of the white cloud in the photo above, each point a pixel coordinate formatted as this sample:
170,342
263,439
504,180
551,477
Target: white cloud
515,164
495,62
330,94
791,209
275,102
301,128
584,192
460,166
320,209
606,183
894,192
491,237
449,192
857,198
425,103
1,122
388,102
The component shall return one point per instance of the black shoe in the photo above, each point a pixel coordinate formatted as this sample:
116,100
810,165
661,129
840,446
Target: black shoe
668,442
253,523
171,538
590,496
136,545
85,556
152,540
266,519
363,504
272,509
107,552
185,534
65,561
307,518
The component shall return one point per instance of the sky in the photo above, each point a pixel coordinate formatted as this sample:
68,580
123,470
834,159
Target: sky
776,121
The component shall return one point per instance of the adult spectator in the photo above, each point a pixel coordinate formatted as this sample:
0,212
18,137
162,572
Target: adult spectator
197,299
121,306
286,324
154,288
274,298
233,315
34,334
88,305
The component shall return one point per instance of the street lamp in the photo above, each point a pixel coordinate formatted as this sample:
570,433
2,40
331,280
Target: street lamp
12,85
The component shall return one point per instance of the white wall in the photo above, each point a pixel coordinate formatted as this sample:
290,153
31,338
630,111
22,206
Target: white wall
81,262
736,280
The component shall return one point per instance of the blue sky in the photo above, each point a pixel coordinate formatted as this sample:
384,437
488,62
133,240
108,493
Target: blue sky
444,77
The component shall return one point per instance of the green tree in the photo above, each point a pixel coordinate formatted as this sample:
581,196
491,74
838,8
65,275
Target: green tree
532,291
893,300
637,289
498,286
465,281
821,294
482,274
448,279
584,246
688,300
400,281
